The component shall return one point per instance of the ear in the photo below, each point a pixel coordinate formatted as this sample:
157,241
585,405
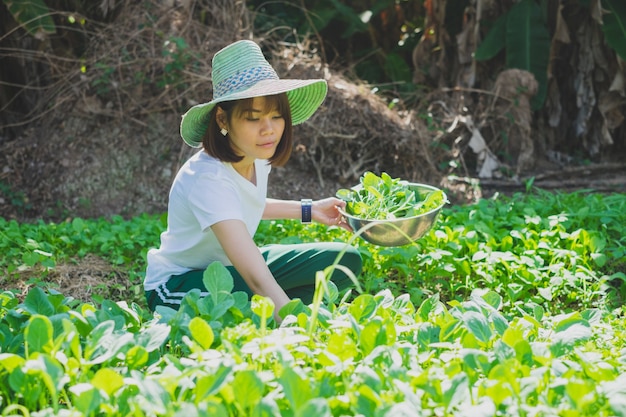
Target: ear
220,118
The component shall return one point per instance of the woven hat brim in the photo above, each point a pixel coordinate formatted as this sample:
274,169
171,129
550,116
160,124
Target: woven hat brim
305,97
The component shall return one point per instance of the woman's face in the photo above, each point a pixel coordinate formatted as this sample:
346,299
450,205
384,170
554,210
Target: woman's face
254,130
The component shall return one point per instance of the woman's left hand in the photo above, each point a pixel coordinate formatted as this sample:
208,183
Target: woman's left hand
326,211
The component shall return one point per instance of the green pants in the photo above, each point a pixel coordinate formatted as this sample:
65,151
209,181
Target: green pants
293,266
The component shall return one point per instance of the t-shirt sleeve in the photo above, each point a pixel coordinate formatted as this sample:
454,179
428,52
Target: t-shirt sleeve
214,199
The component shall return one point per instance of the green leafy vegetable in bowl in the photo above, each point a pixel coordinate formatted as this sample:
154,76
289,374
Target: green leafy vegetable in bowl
386,198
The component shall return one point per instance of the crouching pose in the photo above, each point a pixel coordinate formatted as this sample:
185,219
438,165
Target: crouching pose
219,196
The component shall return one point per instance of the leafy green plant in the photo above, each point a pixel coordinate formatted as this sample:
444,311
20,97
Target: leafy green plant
376,353
103,82
377,36
15,198
614,26
523,33
562,251
500,310
33,15
178,58
386,198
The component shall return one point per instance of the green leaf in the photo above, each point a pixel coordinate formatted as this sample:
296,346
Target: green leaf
528,44
240,299
500,324
450,330
201,332
524,34
294,307
615,392
38,334
262,306
154,336
34,15
317,407
267,407
249,388
477,324
363,307
493,299
86,398
426,334
567,337
568,320
367,400
296,388
10,361
351,20
30,258
600,259
476,360
614,26
320,19
36,302
376,333
343,346
524,353
345,194
226,302
428,306
108,380
136,357
458,391
397,69
494,41
218,281
211,383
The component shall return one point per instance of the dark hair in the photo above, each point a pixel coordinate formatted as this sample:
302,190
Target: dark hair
216,145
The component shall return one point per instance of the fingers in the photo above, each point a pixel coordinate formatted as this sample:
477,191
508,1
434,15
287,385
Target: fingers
341,222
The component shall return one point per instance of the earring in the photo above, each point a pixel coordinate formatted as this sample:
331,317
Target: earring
224,132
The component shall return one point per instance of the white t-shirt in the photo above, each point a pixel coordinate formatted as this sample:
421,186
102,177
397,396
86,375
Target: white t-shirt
205,191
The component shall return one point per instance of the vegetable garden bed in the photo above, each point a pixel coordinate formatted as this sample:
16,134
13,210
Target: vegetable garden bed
512,306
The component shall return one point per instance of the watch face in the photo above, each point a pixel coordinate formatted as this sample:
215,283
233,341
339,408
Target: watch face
306,210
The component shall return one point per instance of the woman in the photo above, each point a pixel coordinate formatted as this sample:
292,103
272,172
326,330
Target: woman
218,197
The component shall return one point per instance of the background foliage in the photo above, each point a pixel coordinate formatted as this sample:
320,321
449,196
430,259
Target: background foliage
401,47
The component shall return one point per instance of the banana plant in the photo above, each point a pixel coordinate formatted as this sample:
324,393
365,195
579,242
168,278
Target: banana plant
33,15
523,33
614,26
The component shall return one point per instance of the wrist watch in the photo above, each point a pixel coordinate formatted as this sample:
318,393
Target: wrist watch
306,204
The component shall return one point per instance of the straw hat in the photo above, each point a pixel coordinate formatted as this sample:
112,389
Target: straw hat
241,71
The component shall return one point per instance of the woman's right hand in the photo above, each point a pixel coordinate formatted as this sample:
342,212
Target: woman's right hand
327,212
247,259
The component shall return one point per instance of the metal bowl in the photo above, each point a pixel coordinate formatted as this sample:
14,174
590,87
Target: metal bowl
396,232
